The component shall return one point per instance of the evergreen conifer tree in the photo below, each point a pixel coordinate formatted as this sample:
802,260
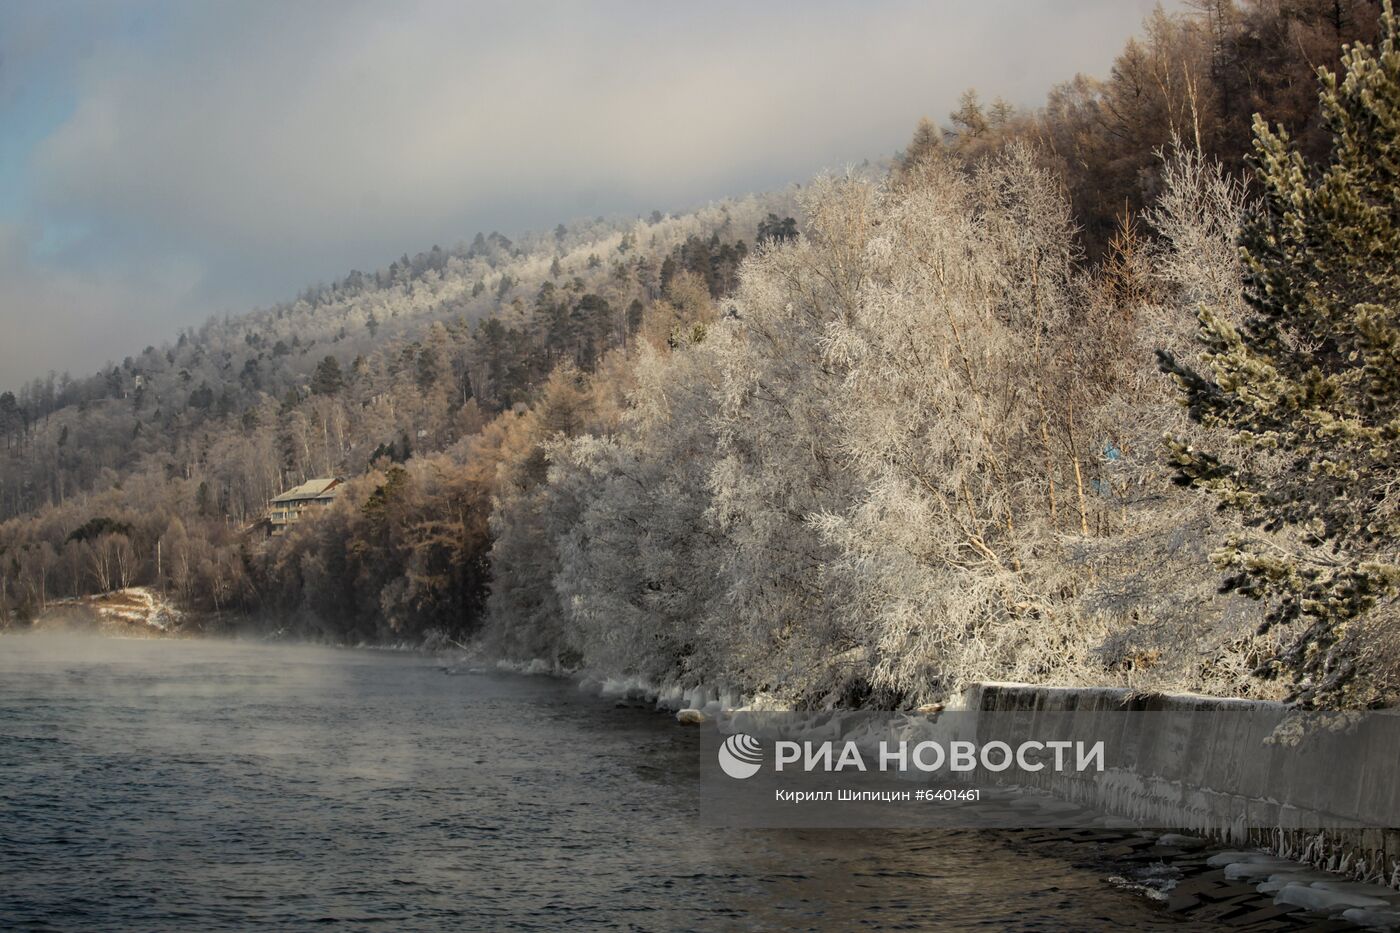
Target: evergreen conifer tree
327,380
1308,386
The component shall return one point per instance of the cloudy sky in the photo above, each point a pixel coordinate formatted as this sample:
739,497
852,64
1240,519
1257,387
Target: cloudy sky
164,161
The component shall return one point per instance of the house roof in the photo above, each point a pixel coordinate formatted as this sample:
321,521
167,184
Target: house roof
322,488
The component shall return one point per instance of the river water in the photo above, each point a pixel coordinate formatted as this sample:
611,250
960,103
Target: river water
202,785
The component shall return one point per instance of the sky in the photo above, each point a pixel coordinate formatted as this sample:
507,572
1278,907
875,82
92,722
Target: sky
162,162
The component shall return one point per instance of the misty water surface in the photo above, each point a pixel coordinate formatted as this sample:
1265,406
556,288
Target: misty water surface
172,785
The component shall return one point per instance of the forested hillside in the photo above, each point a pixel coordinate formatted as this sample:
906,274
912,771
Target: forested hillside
155,470
861,448
356,342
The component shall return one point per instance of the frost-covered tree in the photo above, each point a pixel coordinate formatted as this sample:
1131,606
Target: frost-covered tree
530,514
637,569
902,401
779,464
961,416
1308,386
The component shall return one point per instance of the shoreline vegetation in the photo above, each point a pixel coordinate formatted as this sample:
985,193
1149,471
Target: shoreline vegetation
856,443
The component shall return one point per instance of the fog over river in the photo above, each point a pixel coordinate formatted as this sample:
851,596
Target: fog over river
181,784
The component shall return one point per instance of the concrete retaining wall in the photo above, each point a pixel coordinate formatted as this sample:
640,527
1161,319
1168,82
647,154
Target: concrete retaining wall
1215,775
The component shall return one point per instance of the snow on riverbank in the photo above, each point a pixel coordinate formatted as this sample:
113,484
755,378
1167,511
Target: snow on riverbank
708,699
135,611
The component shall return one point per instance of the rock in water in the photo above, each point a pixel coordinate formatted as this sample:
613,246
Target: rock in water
690,717
1359,887
1375,918
1179,841
1221,859
1321,899
1256,870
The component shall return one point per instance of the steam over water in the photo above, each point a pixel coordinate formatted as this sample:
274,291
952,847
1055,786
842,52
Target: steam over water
177,785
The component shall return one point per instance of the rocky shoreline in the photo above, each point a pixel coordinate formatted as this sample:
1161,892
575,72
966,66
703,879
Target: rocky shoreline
1208,887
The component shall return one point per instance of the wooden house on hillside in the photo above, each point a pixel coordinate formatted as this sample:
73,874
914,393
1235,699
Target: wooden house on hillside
288,508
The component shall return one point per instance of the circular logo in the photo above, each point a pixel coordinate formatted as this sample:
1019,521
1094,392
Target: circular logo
740,756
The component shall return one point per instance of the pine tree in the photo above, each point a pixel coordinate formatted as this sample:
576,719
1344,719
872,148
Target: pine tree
1308,385
327,380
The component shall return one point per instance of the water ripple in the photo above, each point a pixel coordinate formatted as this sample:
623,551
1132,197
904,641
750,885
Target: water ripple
177,785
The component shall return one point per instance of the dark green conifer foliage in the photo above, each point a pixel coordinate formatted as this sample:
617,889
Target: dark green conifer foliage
328,379
1309,386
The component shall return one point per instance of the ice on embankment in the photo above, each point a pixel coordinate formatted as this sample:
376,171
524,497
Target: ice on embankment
1311,897
1296,884
1256,869
1180,841
1374,917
